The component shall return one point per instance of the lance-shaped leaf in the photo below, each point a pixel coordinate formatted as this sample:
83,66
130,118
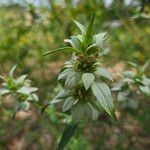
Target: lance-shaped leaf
68,41
75,42
96,105
81,27
89,32
72,80
104,73
70,49
27,90
103,95
145,90
2,78
64,74
44,108
67,134
145,66
68,103
21,79
90,111
99,38
128,74
92,49
4,91
88,79
12,71
60,96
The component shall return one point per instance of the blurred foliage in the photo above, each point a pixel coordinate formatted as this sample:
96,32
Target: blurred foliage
28,31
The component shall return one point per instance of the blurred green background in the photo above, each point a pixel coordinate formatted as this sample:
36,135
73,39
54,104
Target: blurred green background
30,28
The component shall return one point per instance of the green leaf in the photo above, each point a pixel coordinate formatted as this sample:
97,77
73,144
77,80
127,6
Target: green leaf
99,38
27,90
34,97
24,106
4,91
145,80
90,111
145,66
78,112
82,110
132,64
68,103
64,74
2,78
72,79
128,74
80,37
81,27
68,41
92,49
43,109
88,79
21,79
89,32
54,101
104,73
75,42
67,134
145,90
12,71
96,105
103,95
71,49
62,94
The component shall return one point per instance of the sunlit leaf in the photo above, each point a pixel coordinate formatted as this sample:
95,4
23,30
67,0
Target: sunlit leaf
104,73
70,49
103,95
75,42
81,27
64,74
145,66
27,90
12,71
21,79
128,74
68,103
89,32
92,49
99,38
88,79
4,91
145,90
